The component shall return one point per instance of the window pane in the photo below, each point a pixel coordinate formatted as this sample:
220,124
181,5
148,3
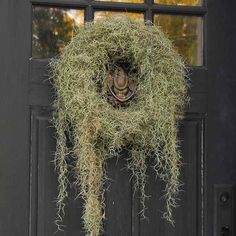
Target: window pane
52,28
104,14
130,1
180,2
186,34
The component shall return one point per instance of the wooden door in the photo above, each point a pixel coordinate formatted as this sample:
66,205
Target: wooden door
31,33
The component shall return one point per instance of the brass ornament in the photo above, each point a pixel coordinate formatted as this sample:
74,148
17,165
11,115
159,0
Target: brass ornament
120,88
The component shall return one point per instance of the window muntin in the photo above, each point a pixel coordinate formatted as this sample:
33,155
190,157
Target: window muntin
55,27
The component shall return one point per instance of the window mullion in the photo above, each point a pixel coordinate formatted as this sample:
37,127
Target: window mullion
89,13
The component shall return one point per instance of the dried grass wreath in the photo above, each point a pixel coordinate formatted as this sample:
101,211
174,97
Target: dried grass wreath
99,128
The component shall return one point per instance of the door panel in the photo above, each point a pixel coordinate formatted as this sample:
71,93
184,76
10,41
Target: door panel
188,215
44,181
122,206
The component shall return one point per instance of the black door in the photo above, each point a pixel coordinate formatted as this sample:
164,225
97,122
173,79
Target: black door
32,32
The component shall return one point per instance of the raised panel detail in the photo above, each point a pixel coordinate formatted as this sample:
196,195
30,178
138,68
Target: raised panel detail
44,183
188,216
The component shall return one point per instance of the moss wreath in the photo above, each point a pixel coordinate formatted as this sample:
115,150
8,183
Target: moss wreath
148,125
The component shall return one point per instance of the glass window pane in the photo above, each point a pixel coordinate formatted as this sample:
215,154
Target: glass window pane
104,14
186,34
52,28
130,1
180,2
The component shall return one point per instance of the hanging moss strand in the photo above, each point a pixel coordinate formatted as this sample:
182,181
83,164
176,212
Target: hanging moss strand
147,126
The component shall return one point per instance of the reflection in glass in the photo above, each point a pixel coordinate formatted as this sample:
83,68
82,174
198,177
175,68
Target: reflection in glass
104,14
180,2
186,34
52,28
130,1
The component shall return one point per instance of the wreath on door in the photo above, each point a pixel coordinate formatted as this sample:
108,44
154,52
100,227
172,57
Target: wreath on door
119,84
